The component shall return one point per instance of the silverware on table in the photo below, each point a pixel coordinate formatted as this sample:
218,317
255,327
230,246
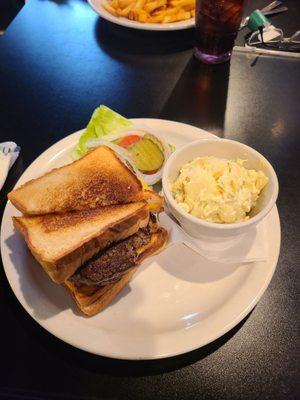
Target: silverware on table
272,8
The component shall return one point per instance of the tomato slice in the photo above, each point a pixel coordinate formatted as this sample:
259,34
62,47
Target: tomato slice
128,140
150,172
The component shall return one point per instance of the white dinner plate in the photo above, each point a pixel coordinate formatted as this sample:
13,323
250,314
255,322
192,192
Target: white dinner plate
176,302
175,26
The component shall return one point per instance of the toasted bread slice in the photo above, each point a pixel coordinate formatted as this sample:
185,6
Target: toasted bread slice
98,179
93,299
61,243
97,301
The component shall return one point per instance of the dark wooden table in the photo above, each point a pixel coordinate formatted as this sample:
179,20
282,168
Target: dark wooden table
58,61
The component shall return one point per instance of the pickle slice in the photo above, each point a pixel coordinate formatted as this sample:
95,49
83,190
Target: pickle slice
146,155
154,140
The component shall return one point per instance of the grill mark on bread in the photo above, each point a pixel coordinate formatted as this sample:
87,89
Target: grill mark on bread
99,192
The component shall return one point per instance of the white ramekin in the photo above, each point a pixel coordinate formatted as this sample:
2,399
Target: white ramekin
222,148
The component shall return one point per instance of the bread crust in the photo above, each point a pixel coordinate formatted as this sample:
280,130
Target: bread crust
92,300
66,265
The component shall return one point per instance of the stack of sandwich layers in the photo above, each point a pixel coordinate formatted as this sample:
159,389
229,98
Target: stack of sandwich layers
90,224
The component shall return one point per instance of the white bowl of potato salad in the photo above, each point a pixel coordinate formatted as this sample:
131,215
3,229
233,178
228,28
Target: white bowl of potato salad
218,188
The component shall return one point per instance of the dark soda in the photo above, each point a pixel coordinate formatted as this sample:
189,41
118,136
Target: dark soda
217,24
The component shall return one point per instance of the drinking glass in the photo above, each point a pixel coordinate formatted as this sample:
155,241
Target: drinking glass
217,24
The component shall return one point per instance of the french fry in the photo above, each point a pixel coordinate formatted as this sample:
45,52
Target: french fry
152,5
131,15
168,11
115,4
110,9
193,13
181,16
159,11
183,3
124,3
142,16
188,7
136,14
125,11
140,4
156,19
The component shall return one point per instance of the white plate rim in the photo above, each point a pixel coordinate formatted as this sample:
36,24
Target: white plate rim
97,7
52,150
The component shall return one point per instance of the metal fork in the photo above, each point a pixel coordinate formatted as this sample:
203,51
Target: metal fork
270,9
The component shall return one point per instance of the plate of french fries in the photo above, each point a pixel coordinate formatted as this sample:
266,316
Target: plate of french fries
147,14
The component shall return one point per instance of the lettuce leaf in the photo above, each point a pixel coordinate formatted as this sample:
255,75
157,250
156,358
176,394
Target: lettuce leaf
103,122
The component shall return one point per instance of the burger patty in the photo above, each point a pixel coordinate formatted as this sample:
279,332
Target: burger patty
111,264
